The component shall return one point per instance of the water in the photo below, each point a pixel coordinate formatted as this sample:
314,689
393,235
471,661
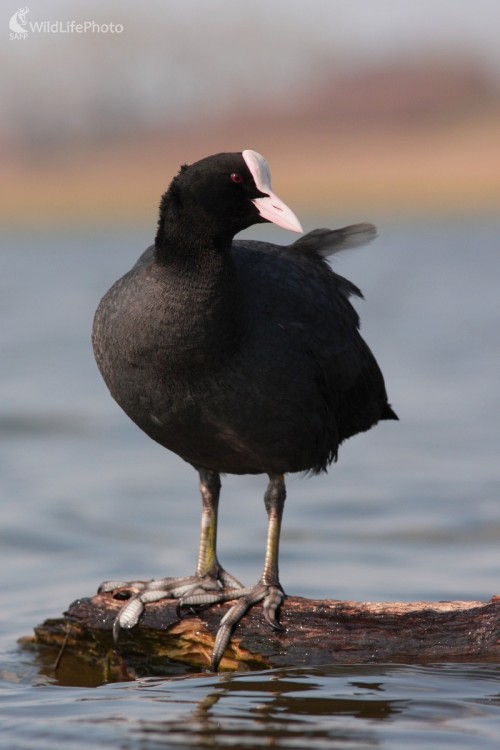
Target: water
410,511
360,707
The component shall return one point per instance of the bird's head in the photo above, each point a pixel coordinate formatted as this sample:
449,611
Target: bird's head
224,194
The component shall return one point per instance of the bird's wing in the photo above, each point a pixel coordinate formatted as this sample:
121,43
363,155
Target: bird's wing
294,287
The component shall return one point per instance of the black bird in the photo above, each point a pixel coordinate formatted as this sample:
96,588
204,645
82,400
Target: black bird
242,357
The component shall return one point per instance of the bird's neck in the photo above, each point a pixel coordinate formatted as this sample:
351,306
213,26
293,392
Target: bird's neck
188,231
195,257
204,292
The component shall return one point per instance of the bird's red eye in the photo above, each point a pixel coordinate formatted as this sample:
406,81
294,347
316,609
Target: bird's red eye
236,177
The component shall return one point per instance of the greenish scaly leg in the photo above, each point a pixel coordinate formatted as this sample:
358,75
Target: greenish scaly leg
207,550
274,500
268,588
208,565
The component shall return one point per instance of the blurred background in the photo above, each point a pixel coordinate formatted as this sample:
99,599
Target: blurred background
361,107
367,110
383,111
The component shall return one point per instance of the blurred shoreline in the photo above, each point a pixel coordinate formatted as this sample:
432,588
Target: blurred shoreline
421,139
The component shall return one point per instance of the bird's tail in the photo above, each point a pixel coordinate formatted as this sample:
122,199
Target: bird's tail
389,413
325,242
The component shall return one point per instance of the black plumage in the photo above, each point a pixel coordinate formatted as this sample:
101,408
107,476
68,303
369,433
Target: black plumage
242,357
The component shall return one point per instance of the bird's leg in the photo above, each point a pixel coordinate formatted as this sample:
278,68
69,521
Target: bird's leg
268,588
210,584
274,500
208,565
207,549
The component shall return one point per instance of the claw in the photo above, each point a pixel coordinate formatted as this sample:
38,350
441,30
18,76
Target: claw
194,592
272,603
272,597
116,629
191,591
129,615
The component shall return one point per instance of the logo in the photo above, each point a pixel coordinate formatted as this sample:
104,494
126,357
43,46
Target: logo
18,24
20,27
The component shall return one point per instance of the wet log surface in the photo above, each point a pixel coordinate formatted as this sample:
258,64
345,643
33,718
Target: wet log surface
316,632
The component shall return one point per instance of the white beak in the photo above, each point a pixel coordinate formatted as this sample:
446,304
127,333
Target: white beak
270,207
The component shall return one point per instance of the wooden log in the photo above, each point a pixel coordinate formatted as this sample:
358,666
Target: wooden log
316,632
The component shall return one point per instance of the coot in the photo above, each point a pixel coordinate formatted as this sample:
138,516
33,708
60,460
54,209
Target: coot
242,357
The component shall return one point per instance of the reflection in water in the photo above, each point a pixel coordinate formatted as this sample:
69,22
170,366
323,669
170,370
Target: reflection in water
66,669
358,707
279,708
361,707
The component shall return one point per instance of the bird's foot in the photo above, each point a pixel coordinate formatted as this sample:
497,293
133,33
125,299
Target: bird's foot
271,596
190,591
195,591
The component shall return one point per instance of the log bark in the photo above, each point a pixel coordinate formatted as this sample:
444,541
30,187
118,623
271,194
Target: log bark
316,632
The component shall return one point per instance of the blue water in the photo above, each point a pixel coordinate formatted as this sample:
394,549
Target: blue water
410,512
